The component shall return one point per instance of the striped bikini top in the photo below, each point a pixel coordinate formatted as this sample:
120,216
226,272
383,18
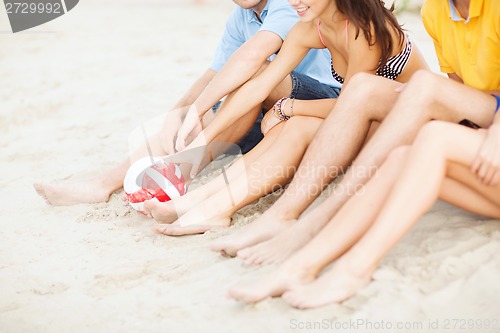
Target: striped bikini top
392,68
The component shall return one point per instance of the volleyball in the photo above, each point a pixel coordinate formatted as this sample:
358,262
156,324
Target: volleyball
160,181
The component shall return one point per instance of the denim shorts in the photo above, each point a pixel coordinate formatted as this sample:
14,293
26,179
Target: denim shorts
307,88
304,88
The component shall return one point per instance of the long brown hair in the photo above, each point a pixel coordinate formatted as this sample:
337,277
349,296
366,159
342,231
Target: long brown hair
365,14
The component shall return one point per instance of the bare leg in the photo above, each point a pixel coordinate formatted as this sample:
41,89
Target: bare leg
291,239
271,171
452,150
343,231
456,101
366,100
431,97
285,243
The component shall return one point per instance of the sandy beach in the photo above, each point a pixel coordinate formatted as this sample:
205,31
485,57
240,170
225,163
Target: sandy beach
71,91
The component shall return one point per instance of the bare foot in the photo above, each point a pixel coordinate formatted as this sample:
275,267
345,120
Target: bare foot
168,212
284,278
334,286
163,212
264,228
291,239
68,194
277,249
177,229
199,219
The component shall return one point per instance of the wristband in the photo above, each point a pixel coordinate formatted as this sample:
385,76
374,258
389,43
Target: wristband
498,102
282,108
291,107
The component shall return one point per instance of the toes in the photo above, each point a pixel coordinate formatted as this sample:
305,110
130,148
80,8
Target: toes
158,228
177,230
224,248
149,205
296,300
248,296
289,298
216,247
40,190
249,261
244,253
225,254
268,261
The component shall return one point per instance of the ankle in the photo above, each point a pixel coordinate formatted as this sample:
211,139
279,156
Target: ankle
305,268
359,268
106,186
284,214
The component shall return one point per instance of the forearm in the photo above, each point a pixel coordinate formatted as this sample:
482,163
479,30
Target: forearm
234,74
496,119
319,108
245,99
244,64
256,90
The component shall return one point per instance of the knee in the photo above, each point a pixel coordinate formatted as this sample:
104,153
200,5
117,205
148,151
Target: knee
362,84
423,85
366,93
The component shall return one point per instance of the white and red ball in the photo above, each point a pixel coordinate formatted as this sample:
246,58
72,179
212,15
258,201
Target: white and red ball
160,181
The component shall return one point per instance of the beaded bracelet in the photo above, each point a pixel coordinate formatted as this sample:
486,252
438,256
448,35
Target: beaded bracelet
277,109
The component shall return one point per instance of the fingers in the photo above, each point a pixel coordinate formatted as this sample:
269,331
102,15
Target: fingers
495,180
476,165
263,127
486,170
178,158
491,173
195,169
167,144
266,126
182,135
180,143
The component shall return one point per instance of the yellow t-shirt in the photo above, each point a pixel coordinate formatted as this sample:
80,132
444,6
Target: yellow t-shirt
469,48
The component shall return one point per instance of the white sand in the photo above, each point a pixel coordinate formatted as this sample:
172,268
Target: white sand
70,93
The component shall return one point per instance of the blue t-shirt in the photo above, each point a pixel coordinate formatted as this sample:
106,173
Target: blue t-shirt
278,17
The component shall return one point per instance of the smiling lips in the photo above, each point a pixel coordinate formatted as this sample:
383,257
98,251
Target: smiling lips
302,10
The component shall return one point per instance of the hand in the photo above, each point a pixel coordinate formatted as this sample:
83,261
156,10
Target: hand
487,162
172,124
269,121
192,159
191,126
